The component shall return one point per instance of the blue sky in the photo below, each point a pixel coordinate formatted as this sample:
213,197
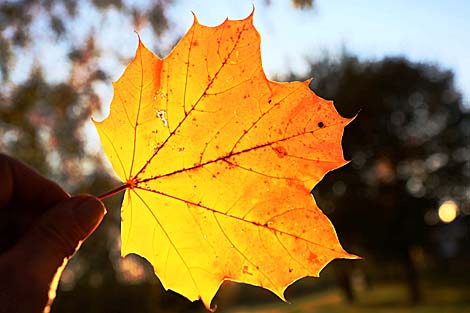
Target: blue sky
423,31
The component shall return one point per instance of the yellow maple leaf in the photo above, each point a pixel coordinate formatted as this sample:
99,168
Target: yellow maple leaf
218,163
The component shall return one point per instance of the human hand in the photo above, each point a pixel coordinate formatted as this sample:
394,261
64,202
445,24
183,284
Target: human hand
41,227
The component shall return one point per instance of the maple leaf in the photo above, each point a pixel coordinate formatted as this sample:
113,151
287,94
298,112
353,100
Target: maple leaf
218,163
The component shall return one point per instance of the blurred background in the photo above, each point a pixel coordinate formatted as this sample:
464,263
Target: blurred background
403,203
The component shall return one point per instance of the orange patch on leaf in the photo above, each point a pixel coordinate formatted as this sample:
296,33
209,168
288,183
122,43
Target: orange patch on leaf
312,257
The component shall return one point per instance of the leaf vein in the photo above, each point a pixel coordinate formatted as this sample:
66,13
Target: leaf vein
189,112
169,240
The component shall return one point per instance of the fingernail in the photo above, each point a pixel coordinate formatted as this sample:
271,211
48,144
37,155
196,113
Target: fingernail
88,212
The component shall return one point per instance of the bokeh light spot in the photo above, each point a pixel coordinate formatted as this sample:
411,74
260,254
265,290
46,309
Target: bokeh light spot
448,211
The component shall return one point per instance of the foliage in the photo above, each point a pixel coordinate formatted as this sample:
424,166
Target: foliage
214,155
407,144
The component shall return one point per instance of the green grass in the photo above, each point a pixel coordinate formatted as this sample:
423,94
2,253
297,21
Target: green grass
383,298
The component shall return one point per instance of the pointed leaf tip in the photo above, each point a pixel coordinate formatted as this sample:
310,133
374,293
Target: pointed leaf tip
252,14
195,20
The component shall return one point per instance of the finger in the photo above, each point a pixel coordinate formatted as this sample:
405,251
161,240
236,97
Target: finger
59,232
21,185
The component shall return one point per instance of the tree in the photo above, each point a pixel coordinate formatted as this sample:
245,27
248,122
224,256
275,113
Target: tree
406,147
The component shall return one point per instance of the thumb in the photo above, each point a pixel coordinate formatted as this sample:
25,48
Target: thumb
58,234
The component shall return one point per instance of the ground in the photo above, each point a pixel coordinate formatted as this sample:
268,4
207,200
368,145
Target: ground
381,298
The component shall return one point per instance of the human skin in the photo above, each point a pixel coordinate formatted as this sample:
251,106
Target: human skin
41,227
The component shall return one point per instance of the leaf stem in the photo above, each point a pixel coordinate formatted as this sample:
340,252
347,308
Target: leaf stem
113,192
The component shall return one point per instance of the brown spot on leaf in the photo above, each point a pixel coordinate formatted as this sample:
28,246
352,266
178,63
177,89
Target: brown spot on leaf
246,270
281,151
